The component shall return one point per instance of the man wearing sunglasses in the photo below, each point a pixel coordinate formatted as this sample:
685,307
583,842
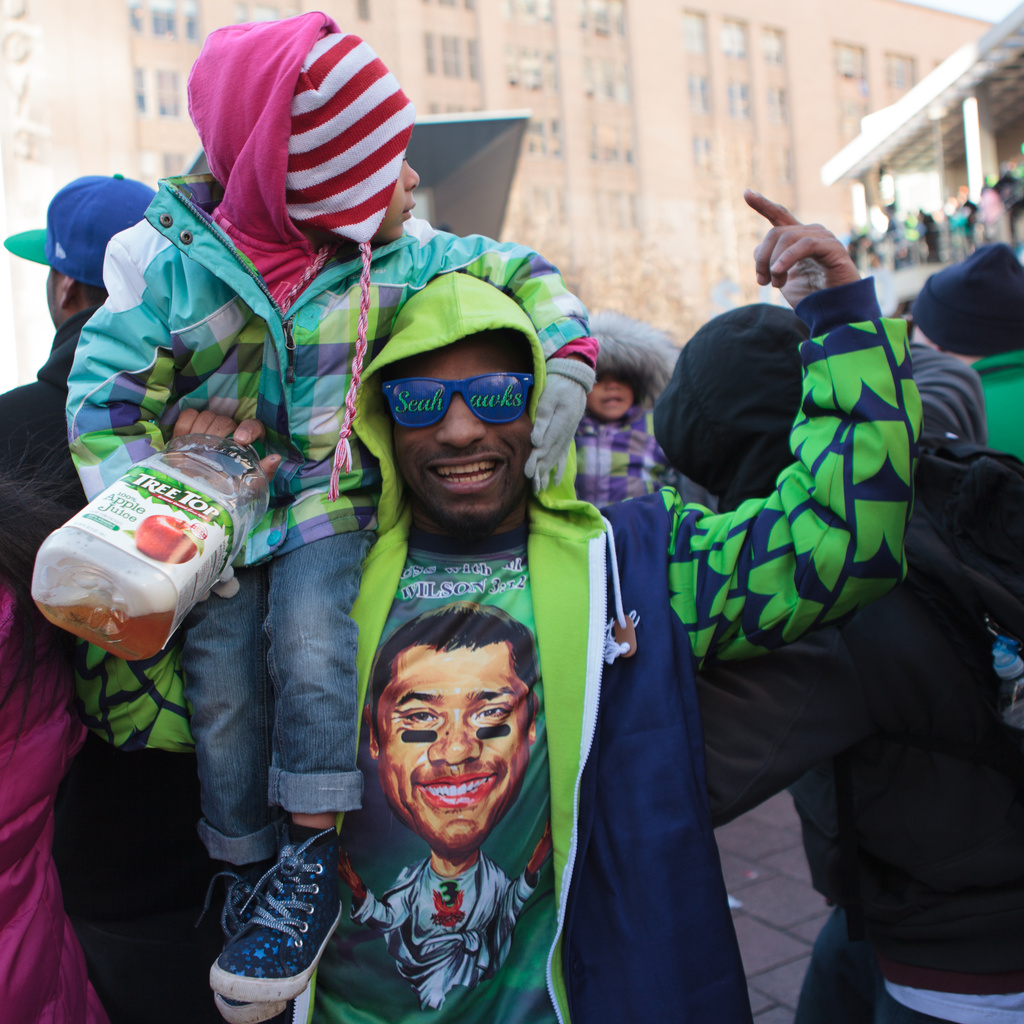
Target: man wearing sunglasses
628,920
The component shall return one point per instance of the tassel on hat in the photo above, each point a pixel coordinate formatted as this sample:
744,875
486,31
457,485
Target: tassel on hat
351,125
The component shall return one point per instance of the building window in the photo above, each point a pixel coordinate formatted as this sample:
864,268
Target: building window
535,142
551,72
695,33
451,56
530,68
702,152
772,46
473,59
627,145
264,12
190,13
777,111
850,61
429,54
588,76
135,16
162,12
470,5
446,3
139,81
555,138
850,113
700,95
174,163
739,100
734,38
623,90
363,10
168,94
608,142
900,72
511,64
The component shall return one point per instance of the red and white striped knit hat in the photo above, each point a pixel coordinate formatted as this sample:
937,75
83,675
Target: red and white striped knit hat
351,125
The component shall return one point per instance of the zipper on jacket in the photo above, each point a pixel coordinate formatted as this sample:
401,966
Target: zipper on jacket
289,344
598,570
223,238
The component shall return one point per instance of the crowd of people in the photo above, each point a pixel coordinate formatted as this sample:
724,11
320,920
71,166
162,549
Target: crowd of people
539,600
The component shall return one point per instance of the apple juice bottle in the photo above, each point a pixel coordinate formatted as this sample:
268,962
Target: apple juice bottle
126,570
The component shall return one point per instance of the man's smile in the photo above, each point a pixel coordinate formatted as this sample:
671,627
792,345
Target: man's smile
469,472
453,792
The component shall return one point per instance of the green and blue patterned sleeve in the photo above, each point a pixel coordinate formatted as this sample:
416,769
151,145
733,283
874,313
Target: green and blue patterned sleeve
830,537
134,704
558,316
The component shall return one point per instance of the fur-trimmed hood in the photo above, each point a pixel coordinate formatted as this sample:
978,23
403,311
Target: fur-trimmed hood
640,354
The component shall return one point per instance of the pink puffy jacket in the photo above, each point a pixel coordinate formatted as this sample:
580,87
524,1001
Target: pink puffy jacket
42,968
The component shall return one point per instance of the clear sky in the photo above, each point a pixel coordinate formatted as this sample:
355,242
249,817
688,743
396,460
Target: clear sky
990,10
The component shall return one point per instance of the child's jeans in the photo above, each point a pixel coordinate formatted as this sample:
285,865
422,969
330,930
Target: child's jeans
271,677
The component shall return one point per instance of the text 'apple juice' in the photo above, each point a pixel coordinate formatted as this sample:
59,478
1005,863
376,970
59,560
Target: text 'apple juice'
126,570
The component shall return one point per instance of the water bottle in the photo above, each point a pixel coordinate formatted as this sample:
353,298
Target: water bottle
1009,667
126,570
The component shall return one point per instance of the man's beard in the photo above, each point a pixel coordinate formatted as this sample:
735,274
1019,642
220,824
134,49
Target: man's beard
470,526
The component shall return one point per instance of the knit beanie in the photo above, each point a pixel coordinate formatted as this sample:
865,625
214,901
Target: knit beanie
976,307
725,418
351,125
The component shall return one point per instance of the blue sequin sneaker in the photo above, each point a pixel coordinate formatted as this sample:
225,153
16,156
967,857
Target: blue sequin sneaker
293,912
240,901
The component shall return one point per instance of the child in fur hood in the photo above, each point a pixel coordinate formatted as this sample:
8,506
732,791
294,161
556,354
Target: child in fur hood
617,456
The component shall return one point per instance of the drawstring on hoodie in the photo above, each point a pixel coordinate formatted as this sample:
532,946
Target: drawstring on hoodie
343,451
612,647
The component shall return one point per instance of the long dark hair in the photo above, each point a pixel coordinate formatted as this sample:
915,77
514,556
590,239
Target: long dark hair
28,514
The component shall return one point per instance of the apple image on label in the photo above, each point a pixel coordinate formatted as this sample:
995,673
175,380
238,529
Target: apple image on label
165,539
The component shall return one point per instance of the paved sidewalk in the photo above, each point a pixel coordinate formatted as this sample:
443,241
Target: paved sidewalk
765,869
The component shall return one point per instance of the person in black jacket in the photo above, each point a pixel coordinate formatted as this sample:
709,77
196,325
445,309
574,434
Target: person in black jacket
938,839
132,869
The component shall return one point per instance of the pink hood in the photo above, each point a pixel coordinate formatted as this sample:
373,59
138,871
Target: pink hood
240,92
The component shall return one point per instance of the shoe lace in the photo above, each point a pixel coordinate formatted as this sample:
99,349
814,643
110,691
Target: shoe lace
240,892
278,892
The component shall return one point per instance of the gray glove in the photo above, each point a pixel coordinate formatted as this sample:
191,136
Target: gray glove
559,411
226,585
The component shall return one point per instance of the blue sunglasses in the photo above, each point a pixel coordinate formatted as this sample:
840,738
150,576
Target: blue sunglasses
492,397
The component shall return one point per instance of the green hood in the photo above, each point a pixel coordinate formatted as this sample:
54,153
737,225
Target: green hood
453,306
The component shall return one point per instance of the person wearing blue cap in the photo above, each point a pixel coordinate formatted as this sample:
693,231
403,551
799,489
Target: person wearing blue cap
132,870
975,310
80,220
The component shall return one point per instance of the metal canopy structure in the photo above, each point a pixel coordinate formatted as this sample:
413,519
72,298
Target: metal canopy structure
905,137
466,163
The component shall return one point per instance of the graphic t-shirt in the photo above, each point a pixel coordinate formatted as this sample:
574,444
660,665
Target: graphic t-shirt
446,880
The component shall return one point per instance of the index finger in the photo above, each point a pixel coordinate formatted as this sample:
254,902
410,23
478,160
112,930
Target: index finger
774,213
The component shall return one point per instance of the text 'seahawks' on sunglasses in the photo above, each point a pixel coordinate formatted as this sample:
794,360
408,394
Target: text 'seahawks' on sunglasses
493,397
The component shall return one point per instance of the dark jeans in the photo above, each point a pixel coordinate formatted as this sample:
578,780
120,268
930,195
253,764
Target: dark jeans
844,985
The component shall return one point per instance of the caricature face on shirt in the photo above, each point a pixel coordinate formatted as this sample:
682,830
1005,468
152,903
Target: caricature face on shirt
452,741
